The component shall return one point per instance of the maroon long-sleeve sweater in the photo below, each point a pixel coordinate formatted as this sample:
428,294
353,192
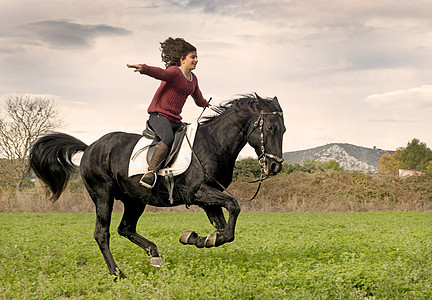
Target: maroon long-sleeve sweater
171,95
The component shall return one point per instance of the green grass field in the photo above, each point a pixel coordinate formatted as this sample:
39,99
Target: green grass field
381,255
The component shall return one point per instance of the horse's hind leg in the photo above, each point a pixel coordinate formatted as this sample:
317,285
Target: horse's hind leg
104,206
127,228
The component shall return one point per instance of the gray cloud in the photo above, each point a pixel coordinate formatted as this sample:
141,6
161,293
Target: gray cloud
240,8
413,98
65,34
322,13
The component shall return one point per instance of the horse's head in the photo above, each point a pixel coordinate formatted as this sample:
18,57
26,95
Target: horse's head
262,123
266,132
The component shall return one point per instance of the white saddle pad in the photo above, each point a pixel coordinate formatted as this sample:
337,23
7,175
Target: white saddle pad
138,161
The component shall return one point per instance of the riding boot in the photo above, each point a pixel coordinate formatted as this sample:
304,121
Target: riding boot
159,155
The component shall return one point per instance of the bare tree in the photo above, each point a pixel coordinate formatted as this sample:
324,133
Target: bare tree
23,119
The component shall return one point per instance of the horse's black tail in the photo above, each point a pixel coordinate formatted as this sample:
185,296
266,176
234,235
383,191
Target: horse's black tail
51,160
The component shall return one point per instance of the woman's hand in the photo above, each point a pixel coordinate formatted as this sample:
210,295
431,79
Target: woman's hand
138,68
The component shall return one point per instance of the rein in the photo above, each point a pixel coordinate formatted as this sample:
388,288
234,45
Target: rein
220,184
203,110
259,123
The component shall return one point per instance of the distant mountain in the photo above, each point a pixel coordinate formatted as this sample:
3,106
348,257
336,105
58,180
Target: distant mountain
350,157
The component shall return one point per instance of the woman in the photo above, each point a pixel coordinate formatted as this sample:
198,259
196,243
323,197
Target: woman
178,82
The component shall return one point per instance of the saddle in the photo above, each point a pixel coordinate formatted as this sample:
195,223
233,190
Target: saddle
178,139
178,160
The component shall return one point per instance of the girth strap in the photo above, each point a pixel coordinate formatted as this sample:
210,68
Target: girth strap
169,183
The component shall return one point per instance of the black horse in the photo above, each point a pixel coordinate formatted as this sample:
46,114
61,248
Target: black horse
219,140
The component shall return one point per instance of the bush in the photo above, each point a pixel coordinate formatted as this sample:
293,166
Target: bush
312,166
27,183
249,168
340,191
77,186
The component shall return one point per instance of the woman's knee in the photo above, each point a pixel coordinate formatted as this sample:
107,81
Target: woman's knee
168,139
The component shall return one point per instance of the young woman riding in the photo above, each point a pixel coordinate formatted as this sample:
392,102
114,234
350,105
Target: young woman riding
178,82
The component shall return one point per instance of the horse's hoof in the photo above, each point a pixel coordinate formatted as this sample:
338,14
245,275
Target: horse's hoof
185,236
118,275
210,241
156,262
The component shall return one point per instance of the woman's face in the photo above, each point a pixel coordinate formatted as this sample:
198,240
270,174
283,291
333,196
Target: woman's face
190,61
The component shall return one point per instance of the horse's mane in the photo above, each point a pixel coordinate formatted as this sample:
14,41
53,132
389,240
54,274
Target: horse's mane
250,103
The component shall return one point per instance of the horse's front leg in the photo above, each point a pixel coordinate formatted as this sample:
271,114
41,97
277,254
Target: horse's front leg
216,216
209,199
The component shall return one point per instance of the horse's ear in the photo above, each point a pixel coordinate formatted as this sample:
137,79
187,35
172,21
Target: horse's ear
276,102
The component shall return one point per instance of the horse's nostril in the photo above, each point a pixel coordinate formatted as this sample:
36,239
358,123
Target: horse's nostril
275,167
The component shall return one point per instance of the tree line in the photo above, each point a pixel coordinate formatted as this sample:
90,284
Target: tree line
415,156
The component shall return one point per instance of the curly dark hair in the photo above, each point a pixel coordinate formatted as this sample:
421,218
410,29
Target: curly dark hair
174,49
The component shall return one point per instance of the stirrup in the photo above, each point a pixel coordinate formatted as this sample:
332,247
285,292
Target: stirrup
145,184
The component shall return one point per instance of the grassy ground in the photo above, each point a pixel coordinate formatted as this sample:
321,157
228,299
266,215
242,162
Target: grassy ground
378,255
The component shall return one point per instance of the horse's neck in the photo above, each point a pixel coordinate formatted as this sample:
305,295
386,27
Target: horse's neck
228,134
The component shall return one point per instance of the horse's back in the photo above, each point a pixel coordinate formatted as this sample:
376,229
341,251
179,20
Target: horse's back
109,153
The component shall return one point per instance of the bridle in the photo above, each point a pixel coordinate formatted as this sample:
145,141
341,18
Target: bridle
259,123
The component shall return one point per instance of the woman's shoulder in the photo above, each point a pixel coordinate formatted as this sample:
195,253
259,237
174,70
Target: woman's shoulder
173,69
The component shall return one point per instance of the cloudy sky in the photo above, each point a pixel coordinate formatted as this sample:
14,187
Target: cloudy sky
357,72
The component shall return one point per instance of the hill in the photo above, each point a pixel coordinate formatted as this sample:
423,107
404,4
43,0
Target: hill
350,157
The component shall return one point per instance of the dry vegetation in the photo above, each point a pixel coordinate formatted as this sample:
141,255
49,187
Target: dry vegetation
338,191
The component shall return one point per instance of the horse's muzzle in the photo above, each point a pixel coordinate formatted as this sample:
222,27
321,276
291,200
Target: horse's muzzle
274,166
